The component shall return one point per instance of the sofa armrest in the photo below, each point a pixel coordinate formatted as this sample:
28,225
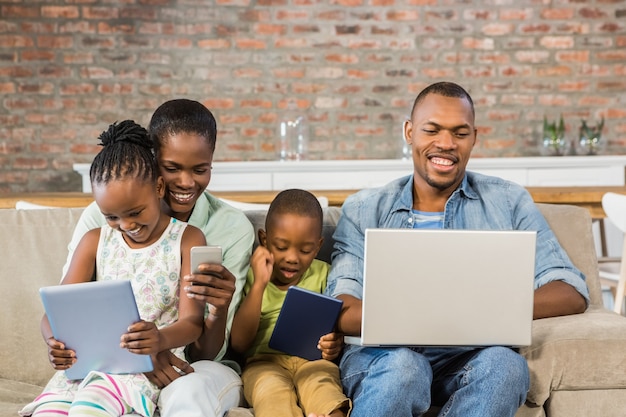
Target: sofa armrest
578,352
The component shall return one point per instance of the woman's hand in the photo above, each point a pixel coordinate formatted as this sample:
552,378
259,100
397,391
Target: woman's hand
213,284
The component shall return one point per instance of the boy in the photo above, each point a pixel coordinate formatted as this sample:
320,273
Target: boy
286,257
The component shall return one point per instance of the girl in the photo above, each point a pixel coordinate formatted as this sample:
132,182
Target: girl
184,134
139,243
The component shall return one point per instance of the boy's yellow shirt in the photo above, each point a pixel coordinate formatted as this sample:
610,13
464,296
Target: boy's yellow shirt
314,279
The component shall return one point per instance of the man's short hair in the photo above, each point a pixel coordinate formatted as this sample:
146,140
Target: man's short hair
446,89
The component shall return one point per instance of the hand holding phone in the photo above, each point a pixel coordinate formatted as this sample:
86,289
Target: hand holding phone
210,254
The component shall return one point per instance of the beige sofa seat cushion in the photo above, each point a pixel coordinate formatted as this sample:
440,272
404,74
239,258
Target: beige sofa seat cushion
33,244
579,352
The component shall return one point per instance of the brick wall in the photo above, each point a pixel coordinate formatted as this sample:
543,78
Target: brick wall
70,68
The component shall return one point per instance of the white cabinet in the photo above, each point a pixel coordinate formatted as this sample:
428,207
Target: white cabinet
357,174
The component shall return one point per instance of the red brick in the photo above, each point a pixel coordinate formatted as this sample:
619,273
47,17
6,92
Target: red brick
610,27
45,88
176,43
19,12
515,14
235,119
225,103
595,70
533,28
515,71
614,55
29,163
41,119
14,177
403,15
532,57
23,134
54,42
291,15
250,44
100,13
476,14
142,13
214,43
16,41
7,88
554,71
19,103
476,43
478,72
521,100
363,75
572,56
289,73
557,42
493,58
595,101
439,73
37,55
74,89
105,28
552,100
82,148
497,29
592,13
116,88
574,86
60,12
558,14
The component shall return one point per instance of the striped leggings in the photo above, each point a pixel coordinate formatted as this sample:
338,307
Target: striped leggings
95,399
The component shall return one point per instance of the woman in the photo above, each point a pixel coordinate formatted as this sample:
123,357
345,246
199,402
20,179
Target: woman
184,134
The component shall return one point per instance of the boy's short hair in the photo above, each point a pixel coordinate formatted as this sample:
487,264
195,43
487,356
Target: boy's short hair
182,116
295,201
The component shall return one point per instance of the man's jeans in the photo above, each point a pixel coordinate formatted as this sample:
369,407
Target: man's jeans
404,382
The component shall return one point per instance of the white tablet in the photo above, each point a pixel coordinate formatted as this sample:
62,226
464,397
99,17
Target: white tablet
90,318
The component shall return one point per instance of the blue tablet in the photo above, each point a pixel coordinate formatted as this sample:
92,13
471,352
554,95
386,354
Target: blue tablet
90,318
304,317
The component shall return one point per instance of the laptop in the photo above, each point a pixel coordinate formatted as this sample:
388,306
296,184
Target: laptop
304,317
447,288
90,318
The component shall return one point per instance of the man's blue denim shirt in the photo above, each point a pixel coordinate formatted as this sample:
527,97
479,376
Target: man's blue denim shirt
481,202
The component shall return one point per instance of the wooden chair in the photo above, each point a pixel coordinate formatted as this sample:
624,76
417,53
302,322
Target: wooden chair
613,271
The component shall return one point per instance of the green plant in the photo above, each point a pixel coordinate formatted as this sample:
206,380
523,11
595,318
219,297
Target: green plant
554,135
590,135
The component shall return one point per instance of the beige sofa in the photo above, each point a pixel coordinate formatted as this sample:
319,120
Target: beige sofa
577,363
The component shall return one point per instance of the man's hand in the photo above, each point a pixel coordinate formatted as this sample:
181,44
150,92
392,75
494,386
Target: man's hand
60,357
213,284
331,345
167,368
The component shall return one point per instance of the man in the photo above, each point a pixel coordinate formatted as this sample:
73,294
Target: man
400,382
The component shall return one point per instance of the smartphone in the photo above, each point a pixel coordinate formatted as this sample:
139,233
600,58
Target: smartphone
205,255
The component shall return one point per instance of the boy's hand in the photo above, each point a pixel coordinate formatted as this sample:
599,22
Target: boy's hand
331,345
262,263
60,358
142,338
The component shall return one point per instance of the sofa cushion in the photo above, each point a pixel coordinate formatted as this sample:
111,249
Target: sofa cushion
34,249
578,352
